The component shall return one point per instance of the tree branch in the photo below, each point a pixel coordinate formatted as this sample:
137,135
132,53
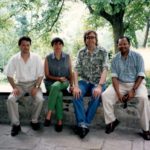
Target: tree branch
46,21
90,9
105,15
11,15
56,19
146,32
126,26
102,13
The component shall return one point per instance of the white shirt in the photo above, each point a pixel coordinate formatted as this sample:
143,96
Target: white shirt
25,71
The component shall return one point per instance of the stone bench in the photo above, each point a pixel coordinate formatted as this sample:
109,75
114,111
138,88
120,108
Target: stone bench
25,107
129,117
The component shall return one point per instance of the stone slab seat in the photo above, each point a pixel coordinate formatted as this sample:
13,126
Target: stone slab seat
25,107
129,117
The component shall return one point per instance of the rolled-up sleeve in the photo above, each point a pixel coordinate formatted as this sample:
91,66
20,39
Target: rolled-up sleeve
140,67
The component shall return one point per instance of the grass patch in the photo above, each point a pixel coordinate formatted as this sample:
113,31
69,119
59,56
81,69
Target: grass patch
147,79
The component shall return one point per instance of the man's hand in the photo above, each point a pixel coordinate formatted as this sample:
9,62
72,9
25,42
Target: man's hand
76,92
62,79
131,94
16,91
34,90
97,91
125,98
121,97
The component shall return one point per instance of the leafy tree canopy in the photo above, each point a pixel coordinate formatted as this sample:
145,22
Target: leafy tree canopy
125,17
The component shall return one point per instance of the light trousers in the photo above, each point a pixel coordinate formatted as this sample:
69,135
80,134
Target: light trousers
109,99
12,103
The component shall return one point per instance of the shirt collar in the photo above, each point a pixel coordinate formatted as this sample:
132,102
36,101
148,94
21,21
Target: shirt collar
94,52
62,55
129,54
19,55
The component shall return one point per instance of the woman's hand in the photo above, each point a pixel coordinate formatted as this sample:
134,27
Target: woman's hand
62,79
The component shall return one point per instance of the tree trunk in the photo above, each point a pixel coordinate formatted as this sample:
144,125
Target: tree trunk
118,31
115,19
146,33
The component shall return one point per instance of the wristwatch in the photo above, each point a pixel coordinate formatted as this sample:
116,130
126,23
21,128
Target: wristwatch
37,86
99,84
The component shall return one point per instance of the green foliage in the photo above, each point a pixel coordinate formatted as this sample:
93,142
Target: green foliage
134,14
35,18
40,18
148,82
78,44
33,15
94,22
147,79
8,45
135,18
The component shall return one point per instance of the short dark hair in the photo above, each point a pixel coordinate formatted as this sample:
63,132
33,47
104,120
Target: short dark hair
123,37
56,40
24,38
87,33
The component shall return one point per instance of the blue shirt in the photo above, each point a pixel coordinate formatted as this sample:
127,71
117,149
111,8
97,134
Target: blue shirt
127,70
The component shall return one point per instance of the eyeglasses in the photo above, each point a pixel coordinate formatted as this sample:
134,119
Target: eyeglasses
90,37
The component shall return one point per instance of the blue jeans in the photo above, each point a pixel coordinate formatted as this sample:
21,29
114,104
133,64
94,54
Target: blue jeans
84,117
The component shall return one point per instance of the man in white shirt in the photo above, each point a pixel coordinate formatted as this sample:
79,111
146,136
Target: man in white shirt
25,73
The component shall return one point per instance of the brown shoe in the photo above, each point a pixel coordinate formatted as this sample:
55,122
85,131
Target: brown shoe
111,126
146,135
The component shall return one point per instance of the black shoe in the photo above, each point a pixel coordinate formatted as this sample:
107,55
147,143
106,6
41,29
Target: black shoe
111,126
58,128
76,130
15,130
146,135
47,122
82,132
35,126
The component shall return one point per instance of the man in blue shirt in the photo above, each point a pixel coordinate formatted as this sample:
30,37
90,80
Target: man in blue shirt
127,82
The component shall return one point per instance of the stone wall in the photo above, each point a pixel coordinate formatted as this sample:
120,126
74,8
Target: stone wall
129,117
